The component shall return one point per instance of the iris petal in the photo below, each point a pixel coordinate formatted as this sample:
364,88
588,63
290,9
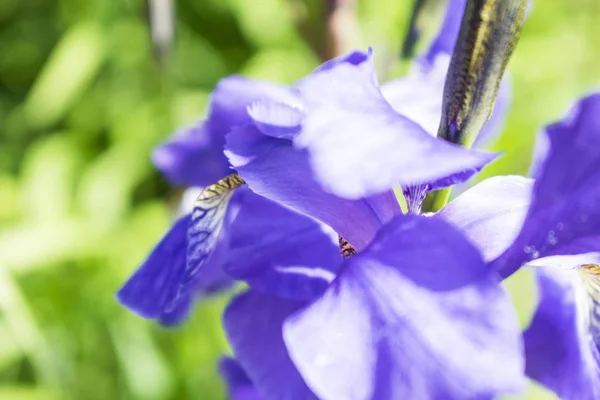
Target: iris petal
153,287
491,213
281,252
559,350
239,386
194,156
564,217
253,325
358,144
275,169
417,315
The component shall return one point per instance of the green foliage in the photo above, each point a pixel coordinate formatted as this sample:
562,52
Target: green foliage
83,99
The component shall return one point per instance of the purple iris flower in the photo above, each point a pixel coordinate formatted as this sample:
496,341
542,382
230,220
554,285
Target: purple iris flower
416,313
165,286
551,223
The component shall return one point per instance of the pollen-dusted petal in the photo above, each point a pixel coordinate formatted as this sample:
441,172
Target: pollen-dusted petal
278,251
491,213
358,145
210,219
239,386
253,323
275,169
559,351
564,217
417,315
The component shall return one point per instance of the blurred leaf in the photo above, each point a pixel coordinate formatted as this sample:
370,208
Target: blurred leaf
27,393
9,349
146,372
107,184
49,173
72,66
7,8
266,22
188,107
30,246
197,62
25,330
9,198
282,65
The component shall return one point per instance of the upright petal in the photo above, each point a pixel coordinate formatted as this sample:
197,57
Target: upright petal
418,95
358,144
281,252
561,351
273,168
564,217
417,315
253,325
239,386
491,213
194,156
152,288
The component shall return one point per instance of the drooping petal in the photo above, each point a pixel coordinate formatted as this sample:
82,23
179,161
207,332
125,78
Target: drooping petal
281,252
561,352
194,156
491,213
253,325
564,217
358,144
417,315
152,288
273,168
239,386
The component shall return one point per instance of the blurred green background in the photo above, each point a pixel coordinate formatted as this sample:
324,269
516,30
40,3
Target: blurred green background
84,96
